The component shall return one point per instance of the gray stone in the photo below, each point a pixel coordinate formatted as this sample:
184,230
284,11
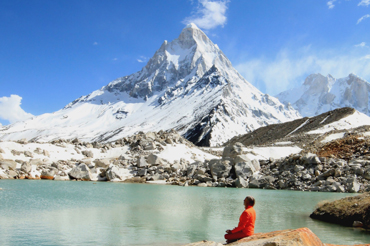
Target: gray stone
310,158
26,167
9,164
88,153
81,171
219,168
2,151
352,185
330,172
202,185
46,153
141,171
233,151
157,177
366,174
12,174
141,162
113,173
50,172
28,154
241,183
176,167
154,160
104,163
244,169
254,183
36,162
147,144
191,168
306,176
298,168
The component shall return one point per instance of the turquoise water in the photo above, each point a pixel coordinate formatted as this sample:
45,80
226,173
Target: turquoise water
41,212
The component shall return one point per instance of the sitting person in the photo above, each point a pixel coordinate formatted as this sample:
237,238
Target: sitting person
246,222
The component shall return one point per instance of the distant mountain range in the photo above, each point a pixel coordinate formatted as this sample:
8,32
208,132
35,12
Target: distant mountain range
320,94
188,85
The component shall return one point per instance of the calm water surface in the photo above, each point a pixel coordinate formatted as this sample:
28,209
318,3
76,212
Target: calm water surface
38,212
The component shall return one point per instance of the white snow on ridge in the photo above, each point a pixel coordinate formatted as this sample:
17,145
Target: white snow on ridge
354,120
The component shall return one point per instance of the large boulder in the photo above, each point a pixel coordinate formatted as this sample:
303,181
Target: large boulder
289,237
147,144
141,162
352,185
8,164
310,158
113,173
48,173
190,171
155,160
244,167
219,168
88,153
26,167
104,163
232,151
81,171
241,183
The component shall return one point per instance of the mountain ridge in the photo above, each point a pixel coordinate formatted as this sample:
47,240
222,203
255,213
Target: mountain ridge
319,94
188,85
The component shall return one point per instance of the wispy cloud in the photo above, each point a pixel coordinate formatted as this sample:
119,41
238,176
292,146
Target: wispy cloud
331,4
362,44
142,59
364,3
95,43
362,18
115,59
10,109
209,14
290,68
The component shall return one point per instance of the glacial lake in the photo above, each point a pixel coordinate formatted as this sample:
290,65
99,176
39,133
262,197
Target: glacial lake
42,212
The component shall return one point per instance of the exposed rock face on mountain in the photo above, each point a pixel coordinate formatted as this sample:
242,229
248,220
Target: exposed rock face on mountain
189,85
320,94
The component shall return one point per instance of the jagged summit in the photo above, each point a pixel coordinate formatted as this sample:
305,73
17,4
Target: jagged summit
188,85
191,25
319,94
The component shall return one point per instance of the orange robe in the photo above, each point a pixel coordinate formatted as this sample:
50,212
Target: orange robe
246,222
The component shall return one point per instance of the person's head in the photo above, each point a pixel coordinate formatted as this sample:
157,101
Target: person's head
249,201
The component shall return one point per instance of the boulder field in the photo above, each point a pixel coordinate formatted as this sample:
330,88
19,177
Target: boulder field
157,157
290,237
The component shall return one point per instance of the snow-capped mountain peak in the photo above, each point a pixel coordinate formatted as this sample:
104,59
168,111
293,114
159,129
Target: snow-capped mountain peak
319,94
188,85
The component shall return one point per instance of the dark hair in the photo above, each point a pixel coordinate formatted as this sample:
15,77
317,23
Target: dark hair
251,200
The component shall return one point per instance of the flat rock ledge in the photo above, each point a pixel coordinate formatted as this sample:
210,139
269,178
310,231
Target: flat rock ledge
349,211
290,237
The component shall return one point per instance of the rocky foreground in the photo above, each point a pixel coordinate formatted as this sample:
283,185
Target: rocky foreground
339,166
297,237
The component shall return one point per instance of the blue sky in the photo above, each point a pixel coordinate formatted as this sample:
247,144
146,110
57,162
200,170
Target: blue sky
52,52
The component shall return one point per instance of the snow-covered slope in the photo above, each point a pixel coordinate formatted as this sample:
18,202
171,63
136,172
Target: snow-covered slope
320,94
188,85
